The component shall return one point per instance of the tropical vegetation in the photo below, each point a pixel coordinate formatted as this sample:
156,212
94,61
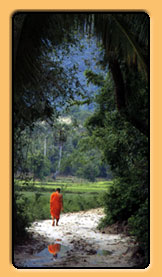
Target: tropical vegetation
112,141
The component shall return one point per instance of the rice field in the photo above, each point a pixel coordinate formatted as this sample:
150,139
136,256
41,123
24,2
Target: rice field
77,195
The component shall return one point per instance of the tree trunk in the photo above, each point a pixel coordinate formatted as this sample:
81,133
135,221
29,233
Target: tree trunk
59,162
119,84
45,147
120,94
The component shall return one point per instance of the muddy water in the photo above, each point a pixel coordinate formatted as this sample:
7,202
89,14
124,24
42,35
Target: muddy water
45,259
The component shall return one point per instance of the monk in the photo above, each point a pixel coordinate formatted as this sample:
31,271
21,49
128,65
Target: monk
56,206
54,249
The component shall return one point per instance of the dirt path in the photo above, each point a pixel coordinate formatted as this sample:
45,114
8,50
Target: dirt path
80,244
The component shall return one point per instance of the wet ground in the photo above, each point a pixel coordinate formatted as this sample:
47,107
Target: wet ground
75,243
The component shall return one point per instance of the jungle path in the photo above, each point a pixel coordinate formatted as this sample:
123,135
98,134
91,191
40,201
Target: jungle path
81,245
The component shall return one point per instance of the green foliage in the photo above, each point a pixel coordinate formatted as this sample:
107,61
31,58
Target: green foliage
118,129
89,171
22,216
40,206
39,165
125,148
96,79
41,149
76,203
122,201
139,225
41,83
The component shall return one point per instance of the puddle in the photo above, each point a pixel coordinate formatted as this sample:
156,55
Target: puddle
48,256
54,254
104,252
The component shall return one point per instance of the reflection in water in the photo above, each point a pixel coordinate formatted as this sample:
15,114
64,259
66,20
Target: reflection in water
49,256
55,253
54,249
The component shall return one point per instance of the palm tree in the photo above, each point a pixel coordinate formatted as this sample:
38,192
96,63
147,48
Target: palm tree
125,35
125,38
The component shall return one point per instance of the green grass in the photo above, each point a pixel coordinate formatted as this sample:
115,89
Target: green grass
37,204
77,195
66,186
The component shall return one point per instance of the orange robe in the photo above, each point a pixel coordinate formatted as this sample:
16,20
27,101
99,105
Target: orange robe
54,248
56,204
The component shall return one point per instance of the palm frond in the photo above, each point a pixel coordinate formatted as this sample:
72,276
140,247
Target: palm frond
125,36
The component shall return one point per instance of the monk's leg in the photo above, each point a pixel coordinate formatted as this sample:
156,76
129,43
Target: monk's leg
57,220
53,221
